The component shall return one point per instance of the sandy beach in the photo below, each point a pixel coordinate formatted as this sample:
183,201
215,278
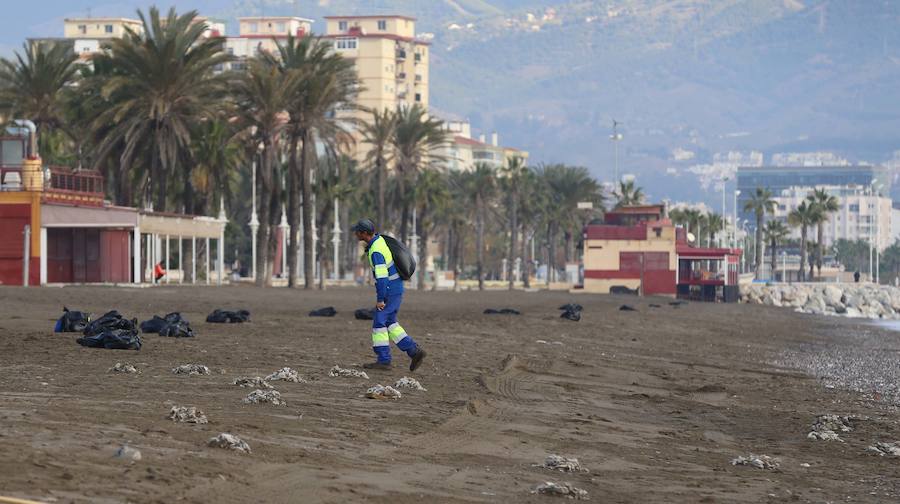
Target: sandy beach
655,403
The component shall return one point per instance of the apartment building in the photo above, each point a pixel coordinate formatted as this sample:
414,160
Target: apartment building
862,214
464,151
263,33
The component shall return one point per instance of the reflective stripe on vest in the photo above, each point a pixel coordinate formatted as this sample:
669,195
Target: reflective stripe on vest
380,246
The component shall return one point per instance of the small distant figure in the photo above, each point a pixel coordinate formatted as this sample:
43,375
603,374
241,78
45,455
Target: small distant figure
856,277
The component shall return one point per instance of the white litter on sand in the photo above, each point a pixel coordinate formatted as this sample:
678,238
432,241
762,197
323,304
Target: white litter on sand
561,490
256,382
757,461
187,415
827,427
383,392
191,369
265,396
128,453
122,367
353,373
884,449
286,374
410,383
564,464
229,442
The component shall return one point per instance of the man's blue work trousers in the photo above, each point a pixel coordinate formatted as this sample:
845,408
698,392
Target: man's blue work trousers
386,329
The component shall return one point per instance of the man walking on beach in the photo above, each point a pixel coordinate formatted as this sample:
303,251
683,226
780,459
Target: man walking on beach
389,296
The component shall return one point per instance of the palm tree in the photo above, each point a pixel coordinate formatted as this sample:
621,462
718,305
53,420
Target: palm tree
514,171
628,194
827,204
262,93
430,194
760,203
694,218
163,83
33,86
215,156
775,232
379,135
714,224
418,139
328,82
805,215
481,189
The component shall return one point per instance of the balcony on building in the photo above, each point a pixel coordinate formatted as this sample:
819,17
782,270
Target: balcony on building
401,76
418,79
401,54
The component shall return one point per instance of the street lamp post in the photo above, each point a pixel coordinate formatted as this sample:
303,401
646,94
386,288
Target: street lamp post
720,242
616,137
254,226
737,193
336,240
414,242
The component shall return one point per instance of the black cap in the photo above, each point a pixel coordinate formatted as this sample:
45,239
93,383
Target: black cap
364,226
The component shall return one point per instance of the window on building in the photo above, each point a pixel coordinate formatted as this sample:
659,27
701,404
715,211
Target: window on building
342,25
418,97
252,27
382,24
108,28
82,29
230,51
344,44
854,208
280,27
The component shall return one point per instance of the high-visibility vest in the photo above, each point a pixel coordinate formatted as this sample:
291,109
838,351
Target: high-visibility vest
380,246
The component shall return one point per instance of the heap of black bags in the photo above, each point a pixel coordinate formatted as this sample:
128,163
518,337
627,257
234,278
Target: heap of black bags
365,314
111,331
571,312
172,325
72,321
228,317
328,311
502,311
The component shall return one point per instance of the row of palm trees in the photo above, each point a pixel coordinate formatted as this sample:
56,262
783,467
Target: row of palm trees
699,223
170,130
813,212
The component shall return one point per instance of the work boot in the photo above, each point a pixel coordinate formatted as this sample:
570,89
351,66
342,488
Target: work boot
383,366
417,359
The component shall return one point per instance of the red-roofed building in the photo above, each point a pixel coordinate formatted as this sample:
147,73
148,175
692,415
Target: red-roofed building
639,249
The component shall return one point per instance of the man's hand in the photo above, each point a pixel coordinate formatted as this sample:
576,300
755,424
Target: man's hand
379,306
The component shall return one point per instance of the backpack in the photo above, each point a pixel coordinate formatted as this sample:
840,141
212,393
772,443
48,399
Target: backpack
403,259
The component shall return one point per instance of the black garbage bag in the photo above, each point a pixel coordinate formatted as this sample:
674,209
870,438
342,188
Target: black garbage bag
110,321
502,311
573,315
621,289
157,324
113,339
72,321
228,317
626,307
364,314
179,329
403,259
655,305
571,307
328,311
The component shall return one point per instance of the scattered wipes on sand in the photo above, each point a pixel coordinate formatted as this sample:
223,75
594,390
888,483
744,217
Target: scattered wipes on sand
191,369
187,415
122,367
265,396
827,427
561,490
564,464
757,461
128,453
410,383
884,449
353,373
255,382
383,392
229,442
286,374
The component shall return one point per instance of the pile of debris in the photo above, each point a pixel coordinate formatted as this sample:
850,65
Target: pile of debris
219,316
884,449
265,396
255,382
111,331
410,383
564,464
351,373
122,367
172,325
229,442
571,312
827,427
286,374
757,461
383,392
187,415
561,490
191,369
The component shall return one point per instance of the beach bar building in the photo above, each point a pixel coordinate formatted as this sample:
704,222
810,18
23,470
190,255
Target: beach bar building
637,248
56,228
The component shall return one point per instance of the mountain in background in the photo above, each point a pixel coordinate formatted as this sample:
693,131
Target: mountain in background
687,78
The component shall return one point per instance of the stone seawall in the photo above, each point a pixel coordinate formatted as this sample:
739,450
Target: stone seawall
848,300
